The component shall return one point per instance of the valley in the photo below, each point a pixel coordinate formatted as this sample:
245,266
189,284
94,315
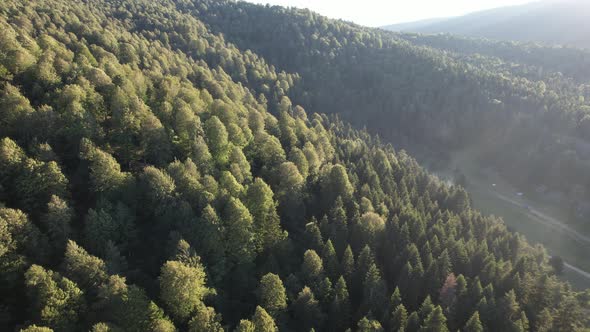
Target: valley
216,166
537,221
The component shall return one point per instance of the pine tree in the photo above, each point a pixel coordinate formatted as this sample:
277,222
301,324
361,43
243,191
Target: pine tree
182,288
366,325
307,310
205,320
426,308
263,322
312,267
271,294
340,311
374,290
330,260
395,299
86,270
435,322
57,222
313,236
347,263
413,324
267,225
217,139
544,321
238,233
339,225
57,302
245,326
473,324
399,318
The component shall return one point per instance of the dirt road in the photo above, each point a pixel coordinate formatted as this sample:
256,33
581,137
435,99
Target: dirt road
547,220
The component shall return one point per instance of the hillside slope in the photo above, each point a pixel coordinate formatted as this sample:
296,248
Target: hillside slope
154,177
515,104
564,22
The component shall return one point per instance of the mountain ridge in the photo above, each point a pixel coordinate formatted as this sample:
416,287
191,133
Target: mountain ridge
549,22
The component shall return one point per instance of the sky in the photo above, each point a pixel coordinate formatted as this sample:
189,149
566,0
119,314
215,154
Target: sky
376,13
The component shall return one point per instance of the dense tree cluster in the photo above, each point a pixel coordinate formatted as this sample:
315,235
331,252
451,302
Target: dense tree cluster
524,108
153,177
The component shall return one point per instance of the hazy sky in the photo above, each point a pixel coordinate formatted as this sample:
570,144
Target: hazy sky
383,12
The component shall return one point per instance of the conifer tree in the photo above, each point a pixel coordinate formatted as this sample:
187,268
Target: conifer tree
330,260
399,318
263,322
271,293
473,324
182,288
57,302
435,322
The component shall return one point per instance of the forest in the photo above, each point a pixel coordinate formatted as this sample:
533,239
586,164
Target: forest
159,175
525,107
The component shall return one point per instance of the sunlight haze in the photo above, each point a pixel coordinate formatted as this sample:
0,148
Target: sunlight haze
375,13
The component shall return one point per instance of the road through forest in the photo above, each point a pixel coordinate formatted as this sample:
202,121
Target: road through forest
553,223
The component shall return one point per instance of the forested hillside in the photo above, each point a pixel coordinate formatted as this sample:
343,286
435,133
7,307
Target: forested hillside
525,108
154,177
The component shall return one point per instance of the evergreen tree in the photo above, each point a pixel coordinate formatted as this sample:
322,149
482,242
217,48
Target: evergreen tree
473,324
347,263
399,318
86,270
312,267
271,294
340,310
435,322
182,288
307,310
366,325
245,326
238,232
56,301
263,322
330,260
205,320
374,290
413,324
313,236
267,225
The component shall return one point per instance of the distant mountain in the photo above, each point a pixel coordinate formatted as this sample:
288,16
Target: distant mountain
565,22
415,25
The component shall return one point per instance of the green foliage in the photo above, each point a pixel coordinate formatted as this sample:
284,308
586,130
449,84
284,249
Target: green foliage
307,310
105,172
473,324
340,309
57,221
205,320
312,267
267,223
272,294
436,321
86,270
182,288
35,328
263,322
366,325
138,131
239,237
57,301
399,318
